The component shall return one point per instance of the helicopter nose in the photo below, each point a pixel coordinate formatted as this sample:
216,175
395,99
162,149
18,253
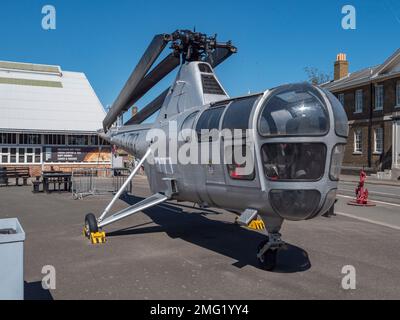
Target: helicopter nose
295,204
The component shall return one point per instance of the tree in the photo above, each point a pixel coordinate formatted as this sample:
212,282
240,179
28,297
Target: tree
316,76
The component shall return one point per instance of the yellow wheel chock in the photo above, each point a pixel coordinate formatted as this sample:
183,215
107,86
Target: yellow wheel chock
256,224
96,237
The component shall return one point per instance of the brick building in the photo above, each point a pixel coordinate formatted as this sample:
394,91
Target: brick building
49,119
371,98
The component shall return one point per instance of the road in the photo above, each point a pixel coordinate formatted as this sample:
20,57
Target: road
387,200
179,252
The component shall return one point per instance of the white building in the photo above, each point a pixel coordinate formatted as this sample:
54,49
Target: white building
49,118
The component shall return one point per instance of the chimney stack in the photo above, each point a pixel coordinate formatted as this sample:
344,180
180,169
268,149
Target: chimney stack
341,67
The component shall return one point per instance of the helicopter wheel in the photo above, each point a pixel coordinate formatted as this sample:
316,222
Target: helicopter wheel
269,259
90,225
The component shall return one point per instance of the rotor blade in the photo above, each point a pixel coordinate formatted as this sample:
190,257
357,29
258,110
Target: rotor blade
150,56
149,110
219,55
156,75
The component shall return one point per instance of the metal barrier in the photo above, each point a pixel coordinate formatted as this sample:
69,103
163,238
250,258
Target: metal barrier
89,182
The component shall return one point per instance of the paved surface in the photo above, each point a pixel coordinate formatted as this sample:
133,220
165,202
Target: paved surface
175,252
370,180
386,198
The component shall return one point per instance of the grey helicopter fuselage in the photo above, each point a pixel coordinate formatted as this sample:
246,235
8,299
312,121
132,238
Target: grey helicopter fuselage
298,133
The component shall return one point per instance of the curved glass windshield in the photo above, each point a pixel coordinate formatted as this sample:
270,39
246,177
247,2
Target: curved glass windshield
294,161
294,110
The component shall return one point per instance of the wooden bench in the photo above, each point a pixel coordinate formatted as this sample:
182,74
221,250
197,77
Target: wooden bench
17,173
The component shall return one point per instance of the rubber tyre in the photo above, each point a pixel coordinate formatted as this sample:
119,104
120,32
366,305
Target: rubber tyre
91,224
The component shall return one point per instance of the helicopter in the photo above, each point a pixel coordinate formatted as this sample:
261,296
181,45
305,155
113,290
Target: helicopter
274,155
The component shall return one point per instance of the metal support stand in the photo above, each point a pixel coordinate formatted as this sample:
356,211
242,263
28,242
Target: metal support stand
274,242
142,205
124,186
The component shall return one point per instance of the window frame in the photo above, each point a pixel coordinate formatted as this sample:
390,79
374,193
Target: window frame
312,91
28,139
270,179
376,130
358,101
8,138
229,167
360,150
36,152
5,154
200,137
398,94
379,97
190,117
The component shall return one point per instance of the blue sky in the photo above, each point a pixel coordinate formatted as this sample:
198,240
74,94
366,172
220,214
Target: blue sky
276,39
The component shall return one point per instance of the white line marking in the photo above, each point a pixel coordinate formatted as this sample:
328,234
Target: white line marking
374,201
373,192
391,226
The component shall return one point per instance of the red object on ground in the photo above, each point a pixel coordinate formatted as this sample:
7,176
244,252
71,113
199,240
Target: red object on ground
361,193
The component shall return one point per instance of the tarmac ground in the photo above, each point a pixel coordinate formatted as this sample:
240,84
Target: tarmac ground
180,252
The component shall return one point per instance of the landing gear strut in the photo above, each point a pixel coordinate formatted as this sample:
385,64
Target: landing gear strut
267,251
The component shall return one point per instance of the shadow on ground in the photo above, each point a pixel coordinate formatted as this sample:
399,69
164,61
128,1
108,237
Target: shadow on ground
224,238
35,291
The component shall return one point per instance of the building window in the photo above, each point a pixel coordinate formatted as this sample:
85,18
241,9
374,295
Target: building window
78,140
54,139
398,94
341,98
358,141
4,155
20,155
82,140
93,140
379,97
13,155
30,139
378,138
8,138
359,101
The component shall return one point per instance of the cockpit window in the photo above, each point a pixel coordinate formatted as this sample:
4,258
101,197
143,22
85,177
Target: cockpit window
293,111
294,161
238,114
208,121
341,122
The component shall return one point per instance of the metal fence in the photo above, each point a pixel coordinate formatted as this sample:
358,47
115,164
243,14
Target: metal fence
88,182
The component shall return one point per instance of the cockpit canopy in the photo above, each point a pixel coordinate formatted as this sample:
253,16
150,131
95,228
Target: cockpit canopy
294,110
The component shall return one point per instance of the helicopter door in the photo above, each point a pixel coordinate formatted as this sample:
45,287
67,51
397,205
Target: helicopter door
209,145
239,151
